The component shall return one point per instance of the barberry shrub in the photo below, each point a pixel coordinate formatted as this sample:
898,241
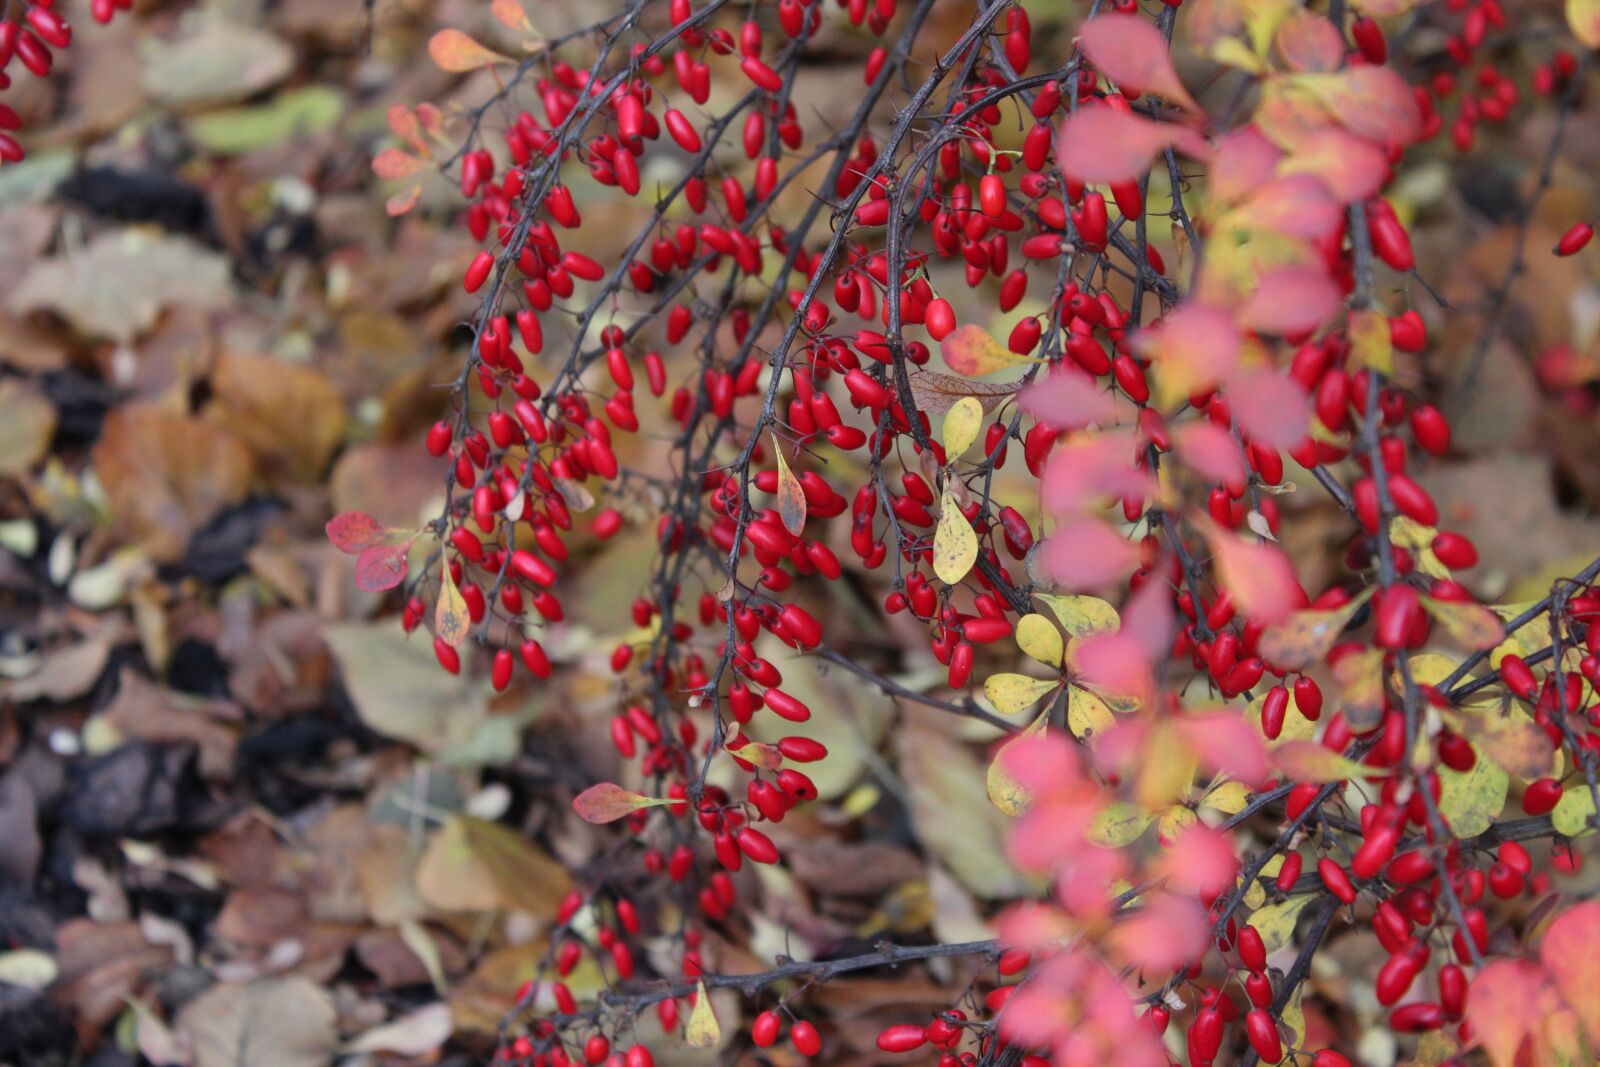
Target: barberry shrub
1157,310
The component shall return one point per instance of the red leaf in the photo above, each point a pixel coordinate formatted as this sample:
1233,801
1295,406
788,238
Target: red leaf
1227,743
1101,144
353,532
1210,450
1133,54
1068,399
381,567
608,802
1571,953
1500,1007
1259,576
1308,42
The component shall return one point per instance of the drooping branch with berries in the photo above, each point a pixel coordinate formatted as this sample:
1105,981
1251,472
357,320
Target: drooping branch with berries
1211,774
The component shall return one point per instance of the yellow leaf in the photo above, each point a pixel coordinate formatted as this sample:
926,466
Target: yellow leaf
1005,792
457,53
955,545
961,425
791,498
1471,801
1369,341
702,1030
1305,638
1296,727
1227,797
1232,52
1308,761
1528,639
767,757
1513,740
1584,18
1470,625
1087,714
1275,922
450,618
1038,637
1119,823
1011,693
1082,616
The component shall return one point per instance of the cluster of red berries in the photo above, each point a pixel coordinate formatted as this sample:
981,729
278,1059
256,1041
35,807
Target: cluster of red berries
33,41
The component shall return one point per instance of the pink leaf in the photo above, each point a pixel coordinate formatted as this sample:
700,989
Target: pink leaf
1092,467
1102,144
381,567
1291,300
1116,663
1242,162
1225,742
1165,933
1259,577
1309,43
1088,554
1500,1007
1197,345
1133,55
1200,861
1370,102
1299,205
353,532
1271,409
1351,168
1209,450
1068,399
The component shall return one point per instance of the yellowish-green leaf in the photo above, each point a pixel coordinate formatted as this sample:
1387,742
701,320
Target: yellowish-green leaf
1296,727
1082,616
1275,922
1573,811
702,1030
791,498
1471,801
1012,693
1529,638
1005,792
961,425
1427,668
1038,637
955,545
767,757
450,618
1470,625
1087,714
1229,798
1302,641
1119,823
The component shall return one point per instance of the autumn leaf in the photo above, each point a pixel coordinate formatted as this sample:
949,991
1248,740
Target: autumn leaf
791,498
961,425
1039,639
955,544
353,532
1302,640
458,53
1005,792
937,393
702,1030
1134,55
392,164
1011,693
381,567
1259,577
607,802
1513,740
451,620
1087,554
1309,761
1370,345
1087,715
971,352
1082,616
1098,145
1501,1007
1271,409
1275,922
1470,625
1583,16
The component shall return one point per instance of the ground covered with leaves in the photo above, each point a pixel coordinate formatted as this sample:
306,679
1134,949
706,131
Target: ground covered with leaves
243,819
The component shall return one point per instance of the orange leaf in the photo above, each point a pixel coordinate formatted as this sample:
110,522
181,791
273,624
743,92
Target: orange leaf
1259,576
971,352
400,203
1500,1007
451,620
791,498
1571,953
457,53
395,163
1308,42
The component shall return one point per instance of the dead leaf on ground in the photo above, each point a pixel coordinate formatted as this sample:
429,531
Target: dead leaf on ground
288,412
283,1022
